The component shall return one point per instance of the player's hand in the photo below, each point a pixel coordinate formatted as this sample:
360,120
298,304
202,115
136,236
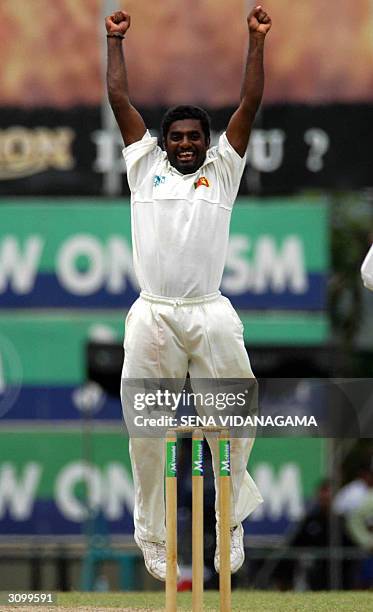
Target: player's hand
118,22
259,22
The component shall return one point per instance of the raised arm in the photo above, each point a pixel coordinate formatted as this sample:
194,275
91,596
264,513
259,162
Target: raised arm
129,120
239,127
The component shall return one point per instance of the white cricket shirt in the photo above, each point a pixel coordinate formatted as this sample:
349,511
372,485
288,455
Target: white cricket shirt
367,270
350,497
180,222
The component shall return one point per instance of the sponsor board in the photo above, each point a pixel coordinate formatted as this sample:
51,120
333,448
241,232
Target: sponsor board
43,359
55,152
51,479
79,255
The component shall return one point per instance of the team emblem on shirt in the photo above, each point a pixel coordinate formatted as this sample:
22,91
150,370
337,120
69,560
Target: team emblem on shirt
158,180
201,181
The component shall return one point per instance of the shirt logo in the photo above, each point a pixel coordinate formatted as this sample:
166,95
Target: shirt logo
158,180
201,181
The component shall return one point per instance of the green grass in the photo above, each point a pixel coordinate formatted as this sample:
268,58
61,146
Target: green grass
242,601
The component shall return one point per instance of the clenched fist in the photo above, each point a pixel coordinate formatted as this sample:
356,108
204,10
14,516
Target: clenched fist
118,22
259,22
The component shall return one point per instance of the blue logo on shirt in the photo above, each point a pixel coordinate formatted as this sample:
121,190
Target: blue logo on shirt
158,180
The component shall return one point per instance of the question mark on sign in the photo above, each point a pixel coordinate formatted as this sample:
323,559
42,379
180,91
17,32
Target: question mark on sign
319,142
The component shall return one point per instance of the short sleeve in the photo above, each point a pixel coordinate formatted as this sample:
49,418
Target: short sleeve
230,166
140,157
349,497
358,523
340,503
367,270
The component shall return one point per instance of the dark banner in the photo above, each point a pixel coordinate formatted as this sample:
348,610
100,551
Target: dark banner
312,146
49,152
52,152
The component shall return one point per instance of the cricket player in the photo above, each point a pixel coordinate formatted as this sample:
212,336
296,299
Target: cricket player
181,203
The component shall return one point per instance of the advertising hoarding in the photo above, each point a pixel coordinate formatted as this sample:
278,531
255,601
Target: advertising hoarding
78,255
70,152
51,478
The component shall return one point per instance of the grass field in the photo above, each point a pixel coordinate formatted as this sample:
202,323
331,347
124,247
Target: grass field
242,601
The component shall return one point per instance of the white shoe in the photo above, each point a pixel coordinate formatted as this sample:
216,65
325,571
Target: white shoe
237,549
154,557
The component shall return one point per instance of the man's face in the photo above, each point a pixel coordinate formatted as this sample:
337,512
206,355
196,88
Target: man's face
186,145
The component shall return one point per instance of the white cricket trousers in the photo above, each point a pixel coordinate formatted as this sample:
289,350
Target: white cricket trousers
166,338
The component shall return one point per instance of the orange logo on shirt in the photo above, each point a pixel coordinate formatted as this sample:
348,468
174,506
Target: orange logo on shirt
201,181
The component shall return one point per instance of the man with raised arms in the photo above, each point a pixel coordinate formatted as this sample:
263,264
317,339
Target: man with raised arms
181,203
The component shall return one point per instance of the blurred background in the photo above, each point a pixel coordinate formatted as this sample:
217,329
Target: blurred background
301,227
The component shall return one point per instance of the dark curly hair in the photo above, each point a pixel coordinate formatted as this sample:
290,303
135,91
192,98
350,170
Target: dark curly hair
185,111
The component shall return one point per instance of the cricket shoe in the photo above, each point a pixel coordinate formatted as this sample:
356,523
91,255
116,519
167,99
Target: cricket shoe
154,557
237,549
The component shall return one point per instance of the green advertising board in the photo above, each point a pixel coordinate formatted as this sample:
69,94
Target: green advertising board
50,476
78,255
66,277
